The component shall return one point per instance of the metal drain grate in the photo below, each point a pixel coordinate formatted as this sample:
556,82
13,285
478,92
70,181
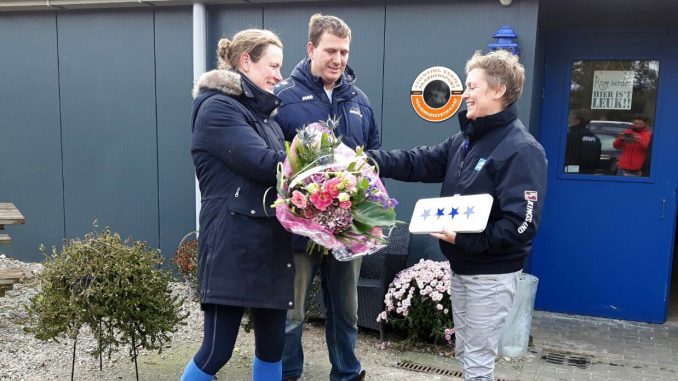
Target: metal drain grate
433,370
563,358
428,369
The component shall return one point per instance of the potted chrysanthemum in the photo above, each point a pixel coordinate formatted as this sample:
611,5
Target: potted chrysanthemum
418,301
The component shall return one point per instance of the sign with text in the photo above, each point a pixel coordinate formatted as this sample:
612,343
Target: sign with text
436,94
612,90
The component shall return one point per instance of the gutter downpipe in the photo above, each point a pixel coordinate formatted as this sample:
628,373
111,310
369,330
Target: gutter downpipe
199,67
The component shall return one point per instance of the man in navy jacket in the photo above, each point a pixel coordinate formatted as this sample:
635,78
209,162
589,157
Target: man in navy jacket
321,87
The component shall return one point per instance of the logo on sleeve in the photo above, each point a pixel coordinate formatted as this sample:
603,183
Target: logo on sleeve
528,215
307,98
531,196
356,111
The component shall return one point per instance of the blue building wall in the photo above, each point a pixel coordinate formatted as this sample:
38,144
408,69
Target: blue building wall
95,125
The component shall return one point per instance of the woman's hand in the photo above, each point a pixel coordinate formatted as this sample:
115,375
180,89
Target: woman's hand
446,235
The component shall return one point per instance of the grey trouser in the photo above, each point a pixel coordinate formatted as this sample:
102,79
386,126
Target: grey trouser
480,305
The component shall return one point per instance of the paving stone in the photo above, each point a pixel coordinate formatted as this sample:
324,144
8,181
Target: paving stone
619,350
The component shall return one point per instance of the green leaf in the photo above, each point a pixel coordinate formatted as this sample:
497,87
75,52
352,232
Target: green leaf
359,227
363,185
373,214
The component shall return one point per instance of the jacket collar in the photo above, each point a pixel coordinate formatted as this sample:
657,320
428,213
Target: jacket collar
257,98
302,73
474,129
237,85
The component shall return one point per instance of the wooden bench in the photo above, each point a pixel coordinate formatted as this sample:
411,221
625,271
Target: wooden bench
5,285
9,215
10,276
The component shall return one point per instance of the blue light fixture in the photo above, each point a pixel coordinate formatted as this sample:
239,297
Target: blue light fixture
505,36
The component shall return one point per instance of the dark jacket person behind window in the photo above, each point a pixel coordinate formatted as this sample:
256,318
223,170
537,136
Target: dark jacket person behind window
583,147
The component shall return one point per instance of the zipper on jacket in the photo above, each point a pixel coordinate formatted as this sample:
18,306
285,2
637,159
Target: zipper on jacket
237,192
205,273
466,147
205,277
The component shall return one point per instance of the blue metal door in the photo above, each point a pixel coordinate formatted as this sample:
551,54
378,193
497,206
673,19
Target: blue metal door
606,241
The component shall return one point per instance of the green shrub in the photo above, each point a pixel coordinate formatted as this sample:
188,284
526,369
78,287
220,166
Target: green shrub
116,288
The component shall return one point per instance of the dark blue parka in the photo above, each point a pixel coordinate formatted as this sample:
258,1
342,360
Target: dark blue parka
304,101
245,255
502,159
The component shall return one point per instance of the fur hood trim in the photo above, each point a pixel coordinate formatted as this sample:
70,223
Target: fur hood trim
225,81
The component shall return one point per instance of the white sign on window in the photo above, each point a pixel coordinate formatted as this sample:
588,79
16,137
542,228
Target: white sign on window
612,90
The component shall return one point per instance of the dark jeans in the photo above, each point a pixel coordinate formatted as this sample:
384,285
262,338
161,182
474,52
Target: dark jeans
339,282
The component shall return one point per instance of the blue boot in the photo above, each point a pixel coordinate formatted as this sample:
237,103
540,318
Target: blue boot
266,371
193,373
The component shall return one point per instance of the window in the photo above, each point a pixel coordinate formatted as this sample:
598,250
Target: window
611,111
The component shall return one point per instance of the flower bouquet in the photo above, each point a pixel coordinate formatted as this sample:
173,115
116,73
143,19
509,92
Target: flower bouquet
333,195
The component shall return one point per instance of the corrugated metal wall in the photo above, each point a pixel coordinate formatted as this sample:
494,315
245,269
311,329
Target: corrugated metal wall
94,114
30,131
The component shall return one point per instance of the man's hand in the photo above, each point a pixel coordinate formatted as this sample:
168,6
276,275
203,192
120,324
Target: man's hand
446,235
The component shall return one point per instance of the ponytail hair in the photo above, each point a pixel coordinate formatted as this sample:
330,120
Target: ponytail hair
251,41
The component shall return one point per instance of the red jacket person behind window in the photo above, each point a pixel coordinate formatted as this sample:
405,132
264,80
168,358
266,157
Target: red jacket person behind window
634,143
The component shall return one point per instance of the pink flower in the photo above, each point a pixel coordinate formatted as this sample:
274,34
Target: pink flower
298,199
332,186
345,204
321,200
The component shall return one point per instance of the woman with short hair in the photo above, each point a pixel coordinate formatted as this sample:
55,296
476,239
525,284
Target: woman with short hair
493,153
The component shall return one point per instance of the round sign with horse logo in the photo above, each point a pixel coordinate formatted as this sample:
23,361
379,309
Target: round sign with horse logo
436,94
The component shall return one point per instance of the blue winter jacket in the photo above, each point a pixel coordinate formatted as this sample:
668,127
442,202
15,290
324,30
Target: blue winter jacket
244,254
304,101
501,159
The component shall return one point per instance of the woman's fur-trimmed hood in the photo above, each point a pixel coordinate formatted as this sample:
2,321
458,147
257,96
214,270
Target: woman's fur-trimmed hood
225,81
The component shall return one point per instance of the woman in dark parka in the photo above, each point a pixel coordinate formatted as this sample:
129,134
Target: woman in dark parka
244,254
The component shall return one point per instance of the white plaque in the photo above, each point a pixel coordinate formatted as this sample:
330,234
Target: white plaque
462,214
